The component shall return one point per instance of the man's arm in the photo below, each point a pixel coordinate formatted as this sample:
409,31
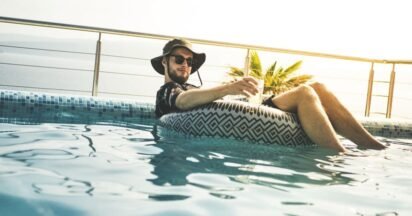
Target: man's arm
195,97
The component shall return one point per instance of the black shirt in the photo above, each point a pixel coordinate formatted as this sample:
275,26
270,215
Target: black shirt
166,97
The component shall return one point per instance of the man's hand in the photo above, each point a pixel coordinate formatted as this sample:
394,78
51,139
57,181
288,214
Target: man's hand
195,97
247,86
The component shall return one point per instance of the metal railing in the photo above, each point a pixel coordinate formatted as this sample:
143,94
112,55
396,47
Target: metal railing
248,47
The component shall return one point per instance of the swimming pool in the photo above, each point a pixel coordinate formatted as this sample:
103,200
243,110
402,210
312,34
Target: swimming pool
122,163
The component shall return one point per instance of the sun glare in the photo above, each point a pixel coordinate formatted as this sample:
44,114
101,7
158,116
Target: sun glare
364,28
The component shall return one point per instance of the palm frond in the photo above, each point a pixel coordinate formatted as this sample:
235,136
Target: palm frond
298,80
276,79
236,72
255,65
291,69
269,75
277,75
271,70
255,74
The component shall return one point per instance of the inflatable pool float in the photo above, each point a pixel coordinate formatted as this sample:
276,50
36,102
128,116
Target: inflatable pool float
241,121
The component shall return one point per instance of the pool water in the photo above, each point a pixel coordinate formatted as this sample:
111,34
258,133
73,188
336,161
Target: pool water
104,169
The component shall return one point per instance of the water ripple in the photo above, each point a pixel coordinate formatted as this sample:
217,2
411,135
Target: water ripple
127,166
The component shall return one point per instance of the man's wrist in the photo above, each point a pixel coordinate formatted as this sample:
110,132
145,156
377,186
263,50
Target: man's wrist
222,91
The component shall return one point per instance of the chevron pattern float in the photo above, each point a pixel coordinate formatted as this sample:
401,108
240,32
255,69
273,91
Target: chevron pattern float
241,121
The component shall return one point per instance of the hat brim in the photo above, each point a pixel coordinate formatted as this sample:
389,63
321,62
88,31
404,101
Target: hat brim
198,60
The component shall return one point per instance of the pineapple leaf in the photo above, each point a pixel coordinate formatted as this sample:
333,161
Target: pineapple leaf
236,72
291,69
255,65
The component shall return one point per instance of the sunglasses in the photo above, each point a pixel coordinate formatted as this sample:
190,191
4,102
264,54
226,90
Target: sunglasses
180,60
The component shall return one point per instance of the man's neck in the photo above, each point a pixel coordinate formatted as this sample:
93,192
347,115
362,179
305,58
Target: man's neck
167,80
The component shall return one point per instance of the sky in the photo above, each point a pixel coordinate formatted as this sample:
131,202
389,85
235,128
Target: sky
374,29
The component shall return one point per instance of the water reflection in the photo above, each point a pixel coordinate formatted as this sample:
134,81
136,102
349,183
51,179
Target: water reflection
15,205
80,160
75,187
96,160
276,167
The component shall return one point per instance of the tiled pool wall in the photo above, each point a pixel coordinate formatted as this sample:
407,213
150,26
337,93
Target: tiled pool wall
33,107
388,127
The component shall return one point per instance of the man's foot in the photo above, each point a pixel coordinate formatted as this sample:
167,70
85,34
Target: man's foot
376,145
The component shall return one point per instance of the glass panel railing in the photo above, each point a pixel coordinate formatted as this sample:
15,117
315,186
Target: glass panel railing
61,59
125,66
402,101
51,60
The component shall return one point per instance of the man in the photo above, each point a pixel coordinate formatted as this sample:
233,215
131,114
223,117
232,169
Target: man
320,112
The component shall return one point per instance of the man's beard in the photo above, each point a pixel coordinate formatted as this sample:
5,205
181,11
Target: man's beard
179,79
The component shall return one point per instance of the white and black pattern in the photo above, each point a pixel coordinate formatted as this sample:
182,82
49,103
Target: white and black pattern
239,120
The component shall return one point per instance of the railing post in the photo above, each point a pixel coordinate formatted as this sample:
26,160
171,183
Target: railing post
97,66
247,63
369,96
390,94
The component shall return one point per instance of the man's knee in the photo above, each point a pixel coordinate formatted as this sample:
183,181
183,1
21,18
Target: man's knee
307,92
318,86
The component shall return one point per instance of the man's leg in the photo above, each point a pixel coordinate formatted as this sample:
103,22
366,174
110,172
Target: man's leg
342,120
304,101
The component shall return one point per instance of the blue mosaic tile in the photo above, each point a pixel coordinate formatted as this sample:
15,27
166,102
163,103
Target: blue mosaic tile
388,127
23,104
31,106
